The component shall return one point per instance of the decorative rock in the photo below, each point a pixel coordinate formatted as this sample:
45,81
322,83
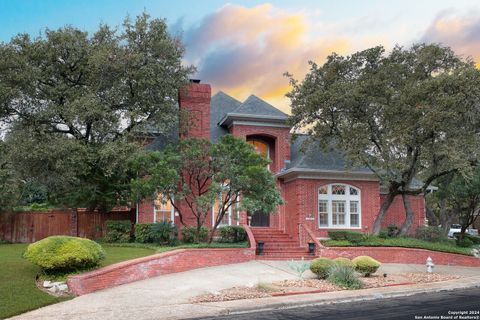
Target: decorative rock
53,289
47,284
62,287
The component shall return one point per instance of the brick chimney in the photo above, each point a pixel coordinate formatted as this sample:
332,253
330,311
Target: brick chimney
194,104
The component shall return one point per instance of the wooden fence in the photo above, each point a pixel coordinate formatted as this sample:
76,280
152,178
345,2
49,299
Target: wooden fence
33,226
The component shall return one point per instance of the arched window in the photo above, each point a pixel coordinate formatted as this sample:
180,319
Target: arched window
339,206
260,147
163,209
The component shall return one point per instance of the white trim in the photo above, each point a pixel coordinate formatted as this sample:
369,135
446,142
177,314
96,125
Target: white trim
136,213
300,173
347,198
154,210
258,124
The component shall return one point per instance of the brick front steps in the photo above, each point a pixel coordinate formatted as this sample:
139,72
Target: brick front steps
279,245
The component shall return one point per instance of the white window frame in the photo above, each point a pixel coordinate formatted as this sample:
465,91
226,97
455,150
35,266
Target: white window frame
230,211
347,197
172,212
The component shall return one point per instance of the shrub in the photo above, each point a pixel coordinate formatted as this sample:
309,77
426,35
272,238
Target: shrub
430,233
299,267
344,261
474,239
118,231
337,234
320,267
189,234
344,276
366,265
232,234
392,230
464,243
383,234
163,232
142,233
352,236
64,253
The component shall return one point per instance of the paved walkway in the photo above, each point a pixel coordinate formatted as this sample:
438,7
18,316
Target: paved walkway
167,296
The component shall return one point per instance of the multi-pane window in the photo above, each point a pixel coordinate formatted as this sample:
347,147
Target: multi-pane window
354,214
163,209
339,206
323,213
231,217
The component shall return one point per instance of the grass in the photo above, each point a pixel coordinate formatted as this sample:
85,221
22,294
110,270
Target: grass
18,291
443,246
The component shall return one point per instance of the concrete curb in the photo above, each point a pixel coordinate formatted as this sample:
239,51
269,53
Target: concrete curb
297,301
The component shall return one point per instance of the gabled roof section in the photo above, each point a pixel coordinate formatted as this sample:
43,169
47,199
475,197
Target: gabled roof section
309,155
220,105
256,106
254,109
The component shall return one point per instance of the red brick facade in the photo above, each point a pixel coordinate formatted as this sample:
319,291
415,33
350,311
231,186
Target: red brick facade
396,213
300,193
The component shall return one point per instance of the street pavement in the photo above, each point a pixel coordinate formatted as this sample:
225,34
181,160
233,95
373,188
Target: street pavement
446,304
167,296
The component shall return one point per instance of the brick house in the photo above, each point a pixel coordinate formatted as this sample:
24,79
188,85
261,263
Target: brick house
320,193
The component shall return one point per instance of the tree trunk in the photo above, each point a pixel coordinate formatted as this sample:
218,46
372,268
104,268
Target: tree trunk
446,216
377,225
432,218
408,215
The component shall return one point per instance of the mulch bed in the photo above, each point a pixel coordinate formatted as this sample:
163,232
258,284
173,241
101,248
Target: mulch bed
291,287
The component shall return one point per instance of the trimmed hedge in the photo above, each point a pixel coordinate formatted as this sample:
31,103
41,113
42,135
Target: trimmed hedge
163,232
189,234
352,236
232,234
344,261
64,253
321,266
366,265
118,231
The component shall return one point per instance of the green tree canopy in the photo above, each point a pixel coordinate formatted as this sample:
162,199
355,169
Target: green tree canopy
198,174
409,113
459,197
72,103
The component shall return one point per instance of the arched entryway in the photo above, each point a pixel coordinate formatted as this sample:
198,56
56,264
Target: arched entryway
264,146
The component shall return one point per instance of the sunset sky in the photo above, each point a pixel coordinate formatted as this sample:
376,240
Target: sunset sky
244,47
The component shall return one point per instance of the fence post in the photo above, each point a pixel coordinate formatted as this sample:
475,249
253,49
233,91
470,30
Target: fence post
74,222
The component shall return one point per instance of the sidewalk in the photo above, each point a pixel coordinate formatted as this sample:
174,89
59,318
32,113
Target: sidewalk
167,297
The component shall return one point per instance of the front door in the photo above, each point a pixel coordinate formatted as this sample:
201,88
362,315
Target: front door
260,219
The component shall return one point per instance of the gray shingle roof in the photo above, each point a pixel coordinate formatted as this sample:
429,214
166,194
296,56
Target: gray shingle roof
220,105
256,106
309,155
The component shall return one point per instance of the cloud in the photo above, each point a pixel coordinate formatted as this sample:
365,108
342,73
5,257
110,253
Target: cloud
461,31
245,51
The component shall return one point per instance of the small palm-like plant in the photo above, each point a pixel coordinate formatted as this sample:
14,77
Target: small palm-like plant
344,276
299,267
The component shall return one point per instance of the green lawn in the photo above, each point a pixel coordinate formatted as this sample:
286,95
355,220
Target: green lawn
443,246
18,292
